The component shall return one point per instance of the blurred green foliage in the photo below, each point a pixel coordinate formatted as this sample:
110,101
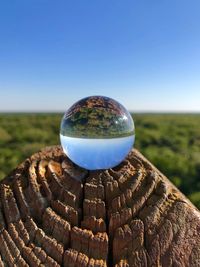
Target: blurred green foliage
169,141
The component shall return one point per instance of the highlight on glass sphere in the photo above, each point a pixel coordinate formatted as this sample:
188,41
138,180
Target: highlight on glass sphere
97,133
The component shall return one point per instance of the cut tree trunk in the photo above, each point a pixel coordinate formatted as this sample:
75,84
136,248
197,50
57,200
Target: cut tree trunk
53,213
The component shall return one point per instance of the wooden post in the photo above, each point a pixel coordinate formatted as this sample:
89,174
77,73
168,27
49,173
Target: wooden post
53,213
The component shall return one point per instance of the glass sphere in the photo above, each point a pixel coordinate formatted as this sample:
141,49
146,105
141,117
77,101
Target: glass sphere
97,132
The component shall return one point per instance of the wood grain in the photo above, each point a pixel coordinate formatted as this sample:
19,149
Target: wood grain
53,213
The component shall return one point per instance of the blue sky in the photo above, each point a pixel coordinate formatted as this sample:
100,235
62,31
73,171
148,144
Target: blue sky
145,54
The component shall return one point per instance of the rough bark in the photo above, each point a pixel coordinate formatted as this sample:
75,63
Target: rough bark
53,213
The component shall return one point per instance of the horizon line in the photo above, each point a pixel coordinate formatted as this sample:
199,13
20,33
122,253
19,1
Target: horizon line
131,111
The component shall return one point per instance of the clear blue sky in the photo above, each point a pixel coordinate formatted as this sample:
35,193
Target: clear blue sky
145,54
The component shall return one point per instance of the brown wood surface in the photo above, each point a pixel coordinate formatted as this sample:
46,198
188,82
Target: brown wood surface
127,216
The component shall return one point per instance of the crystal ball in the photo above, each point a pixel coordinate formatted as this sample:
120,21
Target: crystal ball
97,132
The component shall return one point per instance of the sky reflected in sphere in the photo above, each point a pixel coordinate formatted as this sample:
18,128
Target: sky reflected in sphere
97,133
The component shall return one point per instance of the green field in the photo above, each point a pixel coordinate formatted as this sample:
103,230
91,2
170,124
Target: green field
170,141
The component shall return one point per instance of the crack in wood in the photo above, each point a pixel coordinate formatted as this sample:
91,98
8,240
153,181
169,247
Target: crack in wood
53,213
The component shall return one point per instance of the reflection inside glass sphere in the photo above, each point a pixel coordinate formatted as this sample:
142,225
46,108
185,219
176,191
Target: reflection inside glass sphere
97,133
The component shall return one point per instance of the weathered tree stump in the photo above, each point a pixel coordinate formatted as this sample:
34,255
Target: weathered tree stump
130,215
